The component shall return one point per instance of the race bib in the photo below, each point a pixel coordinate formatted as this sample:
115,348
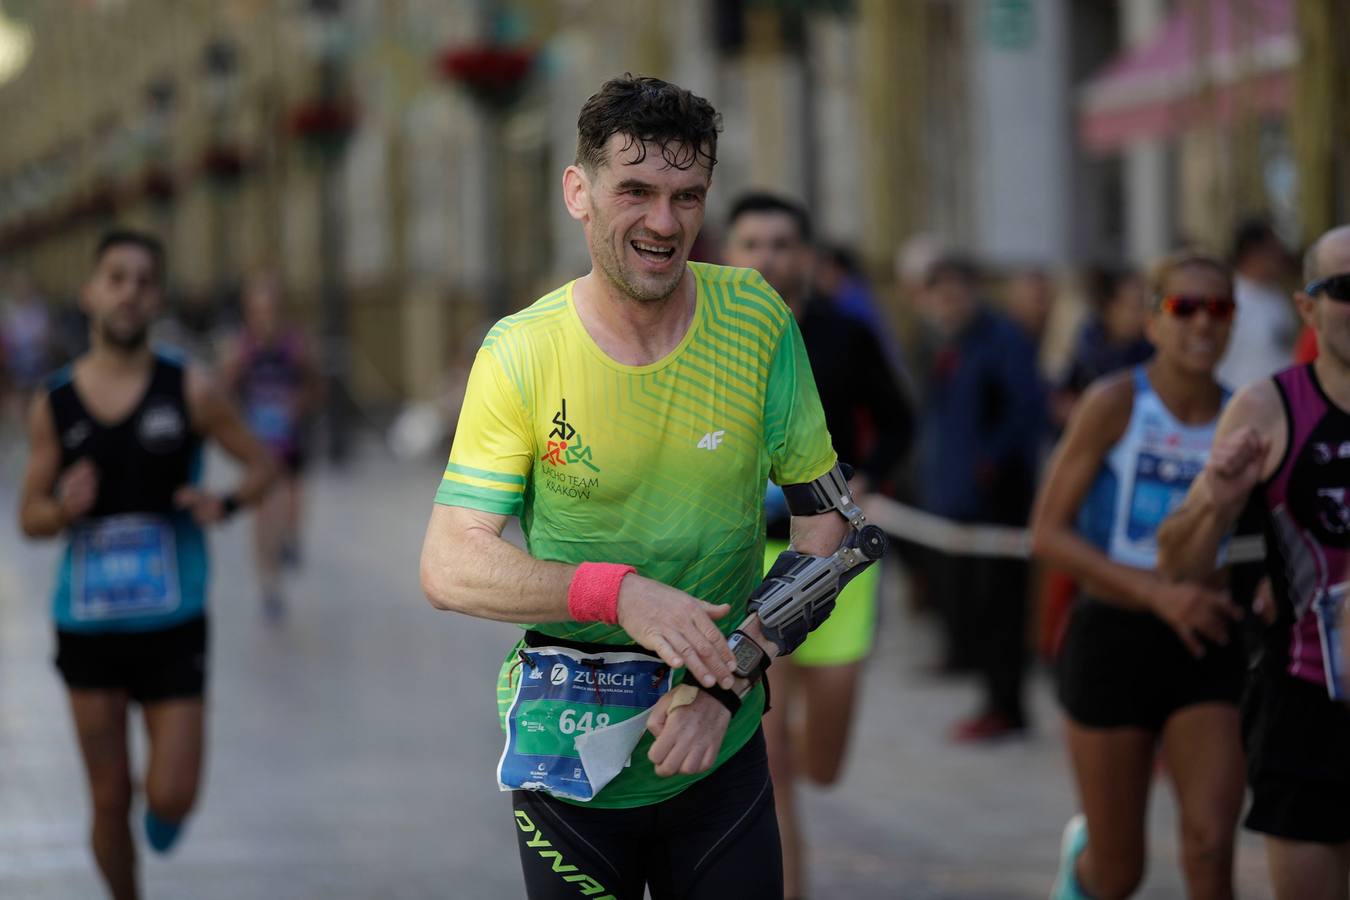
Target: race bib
270,421
123,567
1160,485
576,717
1329,605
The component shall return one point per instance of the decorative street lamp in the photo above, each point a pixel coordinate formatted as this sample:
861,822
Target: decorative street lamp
494,75
325,124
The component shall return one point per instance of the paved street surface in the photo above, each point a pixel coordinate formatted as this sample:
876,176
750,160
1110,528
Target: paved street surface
351,749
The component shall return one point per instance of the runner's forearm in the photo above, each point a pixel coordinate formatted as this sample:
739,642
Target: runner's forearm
483,575
1189,539
1120,585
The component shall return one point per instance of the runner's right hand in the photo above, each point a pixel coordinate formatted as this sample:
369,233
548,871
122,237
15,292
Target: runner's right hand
77,489
678,628
1196,613
1235,465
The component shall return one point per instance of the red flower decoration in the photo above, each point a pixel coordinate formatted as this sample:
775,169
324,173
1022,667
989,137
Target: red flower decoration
492,73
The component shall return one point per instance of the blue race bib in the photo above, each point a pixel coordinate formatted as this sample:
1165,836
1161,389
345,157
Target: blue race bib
270,421
124,567
564,695
1160,485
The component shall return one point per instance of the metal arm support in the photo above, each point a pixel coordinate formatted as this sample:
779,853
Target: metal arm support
799,592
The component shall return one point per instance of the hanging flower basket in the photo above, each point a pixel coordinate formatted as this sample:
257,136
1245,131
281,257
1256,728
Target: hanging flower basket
493,74
326,126
223,162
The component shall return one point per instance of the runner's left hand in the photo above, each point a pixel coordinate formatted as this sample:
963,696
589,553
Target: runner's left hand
205,507
687,740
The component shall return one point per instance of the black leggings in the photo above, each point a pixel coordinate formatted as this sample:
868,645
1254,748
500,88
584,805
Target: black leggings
718,839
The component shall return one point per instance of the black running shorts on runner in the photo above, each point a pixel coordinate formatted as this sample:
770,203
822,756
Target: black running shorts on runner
718,839
1125,669
1298,759
149,665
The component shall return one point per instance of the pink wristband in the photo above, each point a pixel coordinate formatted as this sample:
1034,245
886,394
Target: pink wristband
593,595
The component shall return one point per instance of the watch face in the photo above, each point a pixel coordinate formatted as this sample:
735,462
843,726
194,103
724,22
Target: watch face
747,654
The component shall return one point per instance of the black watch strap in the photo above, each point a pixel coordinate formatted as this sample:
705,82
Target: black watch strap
720,694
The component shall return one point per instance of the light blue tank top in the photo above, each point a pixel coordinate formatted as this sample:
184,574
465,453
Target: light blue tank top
1143,478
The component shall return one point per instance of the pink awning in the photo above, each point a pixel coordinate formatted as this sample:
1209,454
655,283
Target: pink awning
1189,74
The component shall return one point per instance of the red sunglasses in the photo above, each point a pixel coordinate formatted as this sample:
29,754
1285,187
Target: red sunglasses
1220,309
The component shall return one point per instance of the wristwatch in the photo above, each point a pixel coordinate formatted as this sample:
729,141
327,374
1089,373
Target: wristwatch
751,660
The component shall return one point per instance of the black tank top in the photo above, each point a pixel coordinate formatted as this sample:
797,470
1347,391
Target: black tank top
143,458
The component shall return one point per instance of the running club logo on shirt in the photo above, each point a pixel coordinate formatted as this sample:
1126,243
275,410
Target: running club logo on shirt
565,456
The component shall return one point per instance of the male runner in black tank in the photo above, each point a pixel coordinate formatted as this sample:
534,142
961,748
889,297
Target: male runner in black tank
115,446
871,424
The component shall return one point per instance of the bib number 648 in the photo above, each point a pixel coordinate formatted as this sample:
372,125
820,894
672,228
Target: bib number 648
569,722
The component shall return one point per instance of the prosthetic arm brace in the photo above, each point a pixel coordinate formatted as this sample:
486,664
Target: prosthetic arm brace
799,591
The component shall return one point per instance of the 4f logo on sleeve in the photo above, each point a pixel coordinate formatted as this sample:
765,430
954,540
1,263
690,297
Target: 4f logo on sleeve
711,441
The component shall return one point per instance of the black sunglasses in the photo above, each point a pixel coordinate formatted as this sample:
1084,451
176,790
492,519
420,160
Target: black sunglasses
1337,287
1219,308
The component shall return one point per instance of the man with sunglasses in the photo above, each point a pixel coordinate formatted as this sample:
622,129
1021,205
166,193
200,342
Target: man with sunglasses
1284,443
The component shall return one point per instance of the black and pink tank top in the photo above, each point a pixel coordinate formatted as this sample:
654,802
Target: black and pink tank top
272,378
1308,518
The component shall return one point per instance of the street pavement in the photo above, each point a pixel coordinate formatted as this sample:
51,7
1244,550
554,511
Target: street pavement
351,748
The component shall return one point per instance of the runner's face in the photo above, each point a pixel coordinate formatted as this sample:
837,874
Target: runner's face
1195,343
769,241
642,217
260,306
122,297
1331,318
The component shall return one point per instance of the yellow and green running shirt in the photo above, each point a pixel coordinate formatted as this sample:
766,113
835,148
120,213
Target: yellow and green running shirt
661,467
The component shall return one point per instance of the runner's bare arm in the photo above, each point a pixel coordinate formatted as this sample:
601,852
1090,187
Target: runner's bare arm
45,510
468,567
214,416
314,390
1248,446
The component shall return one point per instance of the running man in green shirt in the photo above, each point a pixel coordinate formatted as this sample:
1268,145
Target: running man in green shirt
630,419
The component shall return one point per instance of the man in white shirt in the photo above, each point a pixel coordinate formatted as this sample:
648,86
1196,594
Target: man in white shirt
1265,328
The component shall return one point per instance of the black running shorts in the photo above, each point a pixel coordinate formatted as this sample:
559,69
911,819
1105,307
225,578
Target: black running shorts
1298,759
149,665
717,839
1124,669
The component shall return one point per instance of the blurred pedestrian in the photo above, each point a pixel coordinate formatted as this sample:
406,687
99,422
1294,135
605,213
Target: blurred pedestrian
980,431
1147,664
871,425
25,341
271,369
1110,339
1029,300
115,443
1266,326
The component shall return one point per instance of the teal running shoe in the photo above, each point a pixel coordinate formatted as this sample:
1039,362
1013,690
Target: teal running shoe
1070,848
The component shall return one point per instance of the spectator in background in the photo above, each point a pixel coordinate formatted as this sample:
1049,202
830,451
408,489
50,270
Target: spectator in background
1266,326
25,340
1112,337
1028,301
839,277
979,436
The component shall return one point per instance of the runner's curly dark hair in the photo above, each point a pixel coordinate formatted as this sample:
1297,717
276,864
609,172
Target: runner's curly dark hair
648,111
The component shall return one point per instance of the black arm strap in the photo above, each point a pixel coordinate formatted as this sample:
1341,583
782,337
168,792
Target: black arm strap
722,695
805,500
